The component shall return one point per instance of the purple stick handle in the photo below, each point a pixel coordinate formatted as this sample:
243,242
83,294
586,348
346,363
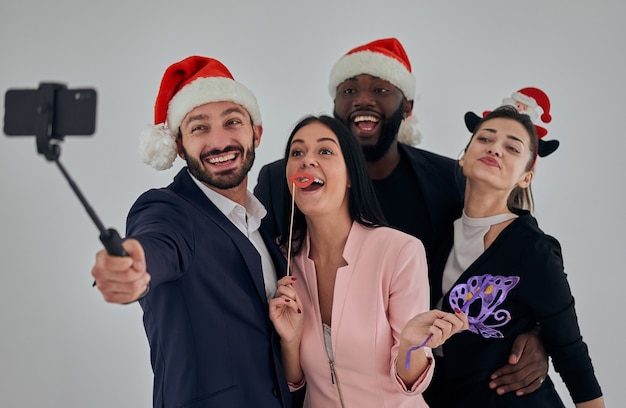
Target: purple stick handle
408,353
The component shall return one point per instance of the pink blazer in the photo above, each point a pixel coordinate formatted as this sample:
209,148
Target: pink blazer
384,285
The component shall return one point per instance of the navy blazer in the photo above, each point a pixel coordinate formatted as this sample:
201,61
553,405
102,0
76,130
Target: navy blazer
441,187
212,343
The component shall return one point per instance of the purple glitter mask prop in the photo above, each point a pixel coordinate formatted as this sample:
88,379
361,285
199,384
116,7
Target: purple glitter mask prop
492,291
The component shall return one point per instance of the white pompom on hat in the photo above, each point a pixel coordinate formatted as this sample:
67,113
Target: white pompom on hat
385,59
187,84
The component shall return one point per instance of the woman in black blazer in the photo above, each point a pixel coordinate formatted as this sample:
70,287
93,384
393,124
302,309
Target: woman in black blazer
507,275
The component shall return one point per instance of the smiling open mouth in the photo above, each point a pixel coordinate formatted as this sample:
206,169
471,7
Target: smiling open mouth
366,122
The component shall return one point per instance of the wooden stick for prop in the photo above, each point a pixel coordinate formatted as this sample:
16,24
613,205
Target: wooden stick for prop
293,201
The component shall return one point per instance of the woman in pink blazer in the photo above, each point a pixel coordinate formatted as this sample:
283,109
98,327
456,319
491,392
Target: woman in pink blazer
358,296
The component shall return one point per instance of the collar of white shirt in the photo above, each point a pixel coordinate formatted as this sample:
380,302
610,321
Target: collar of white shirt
247,219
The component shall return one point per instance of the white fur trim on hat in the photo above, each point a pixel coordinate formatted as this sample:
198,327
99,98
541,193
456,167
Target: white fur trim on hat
211,89
409,133
374,64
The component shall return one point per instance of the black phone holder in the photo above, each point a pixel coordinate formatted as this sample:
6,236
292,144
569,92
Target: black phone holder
50,113
46,133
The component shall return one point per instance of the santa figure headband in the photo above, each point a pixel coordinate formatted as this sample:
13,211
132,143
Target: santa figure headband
527,101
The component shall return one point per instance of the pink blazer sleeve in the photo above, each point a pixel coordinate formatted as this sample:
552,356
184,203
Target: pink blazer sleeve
409,294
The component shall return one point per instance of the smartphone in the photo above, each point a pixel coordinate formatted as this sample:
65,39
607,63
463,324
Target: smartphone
73,110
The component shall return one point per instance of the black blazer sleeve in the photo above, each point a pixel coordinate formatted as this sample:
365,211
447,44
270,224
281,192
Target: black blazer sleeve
271,190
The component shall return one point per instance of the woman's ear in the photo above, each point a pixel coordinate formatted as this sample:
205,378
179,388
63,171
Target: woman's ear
461,158
525,180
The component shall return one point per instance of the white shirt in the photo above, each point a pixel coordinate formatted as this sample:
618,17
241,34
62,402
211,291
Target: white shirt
248,220
469,244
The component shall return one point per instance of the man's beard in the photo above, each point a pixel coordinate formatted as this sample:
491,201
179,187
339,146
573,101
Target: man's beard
226,179
388,133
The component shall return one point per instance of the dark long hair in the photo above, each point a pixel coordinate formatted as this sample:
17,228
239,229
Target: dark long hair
362,203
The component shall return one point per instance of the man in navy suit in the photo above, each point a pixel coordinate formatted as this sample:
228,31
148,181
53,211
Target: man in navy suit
197,261
420,192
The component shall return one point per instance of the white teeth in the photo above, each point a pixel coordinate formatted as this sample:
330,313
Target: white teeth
222,159
316,180
365,119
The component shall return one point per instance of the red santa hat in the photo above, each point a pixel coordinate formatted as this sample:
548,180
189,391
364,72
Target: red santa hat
385,59
187,84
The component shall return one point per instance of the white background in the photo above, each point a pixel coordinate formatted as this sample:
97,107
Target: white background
61,345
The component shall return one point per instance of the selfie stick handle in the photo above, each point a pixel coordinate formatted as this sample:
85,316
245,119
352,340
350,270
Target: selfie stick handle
109,237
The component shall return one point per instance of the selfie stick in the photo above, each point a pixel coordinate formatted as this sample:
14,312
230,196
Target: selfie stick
109,237
45,135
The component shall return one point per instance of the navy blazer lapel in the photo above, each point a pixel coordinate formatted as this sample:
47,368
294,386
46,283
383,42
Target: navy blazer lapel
185,187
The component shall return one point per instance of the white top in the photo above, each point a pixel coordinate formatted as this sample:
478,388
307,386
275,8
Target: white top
469,244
